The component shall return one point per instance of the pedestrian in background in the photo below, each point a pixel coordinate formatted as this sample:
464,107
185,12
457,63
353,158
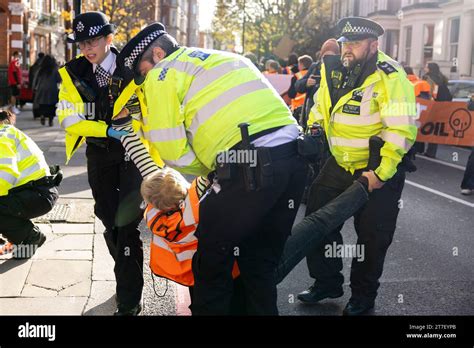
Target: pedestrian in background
309,83
31,82
467,185
292,65
439,92
272,67
14,80
46,89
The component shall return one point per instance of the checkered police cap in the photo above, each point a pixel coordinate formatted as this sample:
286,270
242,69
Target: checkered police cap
358,28
133,50
89,25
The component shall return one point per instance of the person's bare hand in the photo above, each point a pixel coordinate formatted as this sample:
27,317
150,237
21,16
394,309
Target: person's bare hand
310,82
374,182
122,114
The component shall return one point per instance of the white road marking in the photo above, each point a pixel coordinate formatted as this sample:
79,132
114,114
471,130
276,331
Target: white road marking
436,192
441,162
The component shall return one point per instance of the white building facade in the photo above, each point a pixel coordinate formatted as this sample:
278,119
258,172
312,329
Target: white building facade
419,31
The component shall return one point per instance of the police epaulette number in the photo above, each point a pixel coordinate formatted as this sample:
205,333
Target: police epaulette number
386,67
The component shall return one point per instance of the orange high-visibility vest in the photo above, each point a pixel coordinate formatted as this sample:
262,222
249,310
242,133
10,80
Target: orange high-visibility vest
420,85
174,243
299,99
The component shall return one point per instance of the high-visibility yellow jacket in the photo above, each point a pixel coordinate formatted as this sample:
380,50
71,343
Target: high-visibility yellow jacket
196,100
383,105
21,160
71,113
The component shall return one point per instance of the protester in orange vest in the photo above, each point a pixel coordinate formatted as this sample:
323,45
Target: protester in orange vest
272,67
304,62
422,87
292,67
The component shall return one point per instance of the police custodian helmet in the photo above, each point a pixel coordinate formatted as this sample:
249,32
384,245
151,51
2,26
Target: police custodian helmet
358,28
89,25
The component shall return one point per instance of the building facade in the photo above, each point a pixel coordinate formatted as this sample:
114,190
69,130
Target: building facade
419,31
31,27
181,18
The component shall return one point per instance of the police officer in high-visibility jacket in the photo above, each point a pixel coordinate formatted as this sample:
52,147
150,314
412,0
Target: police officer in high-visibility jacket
93,90
362,93
27,189
196,100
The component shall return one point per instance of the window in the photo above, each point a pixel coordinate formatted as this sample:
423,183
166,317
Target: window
408,31
453,38
391,43
428,38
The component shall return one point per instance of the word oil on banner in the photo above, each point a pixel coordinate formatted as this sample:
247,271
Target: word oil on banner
448,123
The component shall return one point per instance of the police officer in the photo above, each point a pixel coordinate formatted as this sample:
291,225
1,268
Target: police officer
363,93
199,99
93,91
27,189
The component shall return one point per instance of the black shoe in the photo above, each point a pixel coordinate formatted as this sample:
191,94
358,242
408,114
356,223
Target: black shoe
43,120
355,307
128,311
315,294
50,122
28,247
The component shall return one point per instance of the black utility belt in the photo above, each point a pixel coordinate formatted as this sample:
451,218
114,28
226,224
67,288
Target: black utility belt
47,181
100,142
254,165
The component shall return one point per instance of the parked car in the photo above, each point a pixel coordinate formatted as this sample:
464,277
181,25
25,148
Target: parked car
461,90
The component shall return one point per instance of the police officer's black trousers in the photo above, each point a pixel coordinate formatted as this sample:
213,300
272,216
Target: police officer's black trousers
250,227
19,206
374,223
115,185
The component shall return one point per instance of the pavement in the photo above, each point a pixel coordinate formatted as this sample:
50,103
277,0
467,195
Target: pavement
72,273
429,268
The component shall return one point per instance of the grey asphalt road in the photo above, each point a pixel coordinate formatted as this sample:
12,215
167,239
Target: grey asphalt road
429,268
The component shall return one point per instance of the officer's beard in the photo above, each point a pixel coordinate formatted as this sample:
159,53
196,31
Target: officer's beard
350,64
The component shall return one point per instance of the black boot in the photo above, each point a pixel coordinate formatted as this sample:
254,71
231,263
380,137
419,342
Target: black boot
28,247
355,307
127,310
316,293
43,120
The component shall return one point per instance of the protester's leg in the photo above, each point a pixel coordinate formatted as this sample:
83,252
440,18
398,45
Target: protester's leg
375,225
129,258
314,228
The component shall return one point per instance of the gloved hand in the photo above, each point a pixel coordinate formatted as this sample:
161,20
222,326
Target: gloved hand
116,134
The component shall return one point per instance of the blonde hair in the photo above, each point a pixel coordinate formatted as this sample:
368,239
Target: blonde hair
164,189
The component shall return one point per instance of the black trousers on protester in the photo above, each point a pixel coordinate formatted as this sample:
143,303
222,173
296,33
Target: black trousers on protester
115,185
250,227
374,223
20,206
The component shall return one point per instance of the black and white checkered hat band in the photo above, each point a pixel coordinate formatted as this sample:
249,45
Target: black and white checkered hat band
95,29
140,47
357,30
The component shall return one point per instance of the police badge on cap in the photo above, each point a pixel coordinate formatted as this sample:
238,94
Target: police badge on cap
89,25
358,28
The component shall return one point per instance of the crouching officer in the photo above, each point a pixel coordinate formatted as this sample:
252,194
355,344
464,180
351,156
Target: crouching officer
92,92
203,98
28,188
362,93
